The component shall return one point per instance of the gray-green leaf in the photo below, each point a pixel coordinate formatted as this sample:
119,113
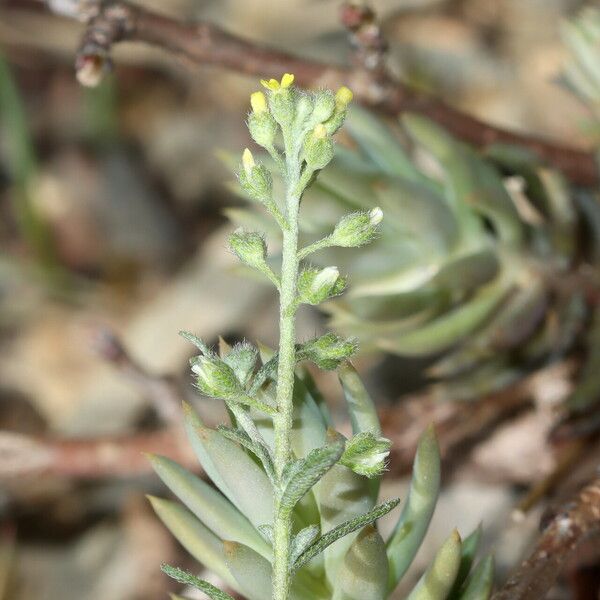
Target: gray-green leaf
188,579
437,581
420,504
211,507
363,574
301,475
344,529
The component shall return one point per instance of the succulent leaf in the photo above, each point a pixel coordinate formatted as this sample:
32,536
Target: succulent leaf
478,585
363,574
418,509
438,579
211,507
343,530
469,548
195,537
237,475
251,571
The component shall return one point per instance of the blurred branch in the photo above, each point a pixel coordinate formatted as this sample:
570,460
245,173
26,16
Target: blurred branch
573,524
457,424
109,22
21,455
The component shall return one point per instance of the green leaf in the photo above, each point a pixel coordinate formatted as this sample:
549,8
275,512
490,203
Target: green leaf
479,584
195,537
437,581
188,579
377,141
232,471
361,409
299,477
302,540
342,530
364,572
259,450
251,571
211,507
418,509
452,327
342,496
468,553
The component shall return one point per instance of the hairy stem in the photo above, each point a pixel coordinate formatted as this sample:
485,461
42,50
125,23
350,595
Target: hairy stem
282,526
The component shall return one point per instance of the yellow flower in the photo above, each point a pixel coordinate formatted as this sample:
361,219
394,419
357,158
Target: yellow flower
248,161
258,102
320,131
343,97
274,85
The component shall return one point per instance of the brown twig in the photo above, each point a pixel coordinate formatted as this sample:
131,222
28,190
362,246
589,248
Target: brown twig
114,21
24,456
578,519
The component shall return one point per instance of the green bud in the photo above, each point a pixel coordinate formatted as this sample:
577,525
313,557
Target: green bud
242,359
250,247
318,148
317,285
357,229
282,104
328,351
324,106
263,128
255,179
304,107
366,454
343,97
215,378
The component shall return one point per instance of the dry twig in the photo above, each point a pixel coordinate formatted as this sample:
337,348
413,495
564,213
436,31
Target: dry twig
112,21
572,525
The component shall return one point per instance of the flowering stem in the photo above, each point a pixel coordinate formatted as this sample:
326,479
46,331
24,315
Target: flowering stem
282,526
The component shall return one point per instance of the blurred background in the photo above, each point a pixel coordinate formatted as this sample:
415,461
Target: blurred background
112,235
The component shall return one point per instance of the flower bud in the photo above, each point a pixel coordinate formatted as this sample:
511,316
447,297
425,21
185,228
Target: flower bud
357,229
304,107
242,359
317,285
215,378
318,148
328,351
261,124
324,106
343,97
366,454
255,179
281,99
249,247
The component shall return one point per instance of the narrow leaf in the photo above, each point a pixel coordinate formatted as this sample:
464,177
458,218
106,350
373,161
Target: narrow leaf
302,540
362,411
211,507
197,539
303,474
418,509
468,552
344,529
251,571
343,495
479,584
363,575
235,473
437,581
188,579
